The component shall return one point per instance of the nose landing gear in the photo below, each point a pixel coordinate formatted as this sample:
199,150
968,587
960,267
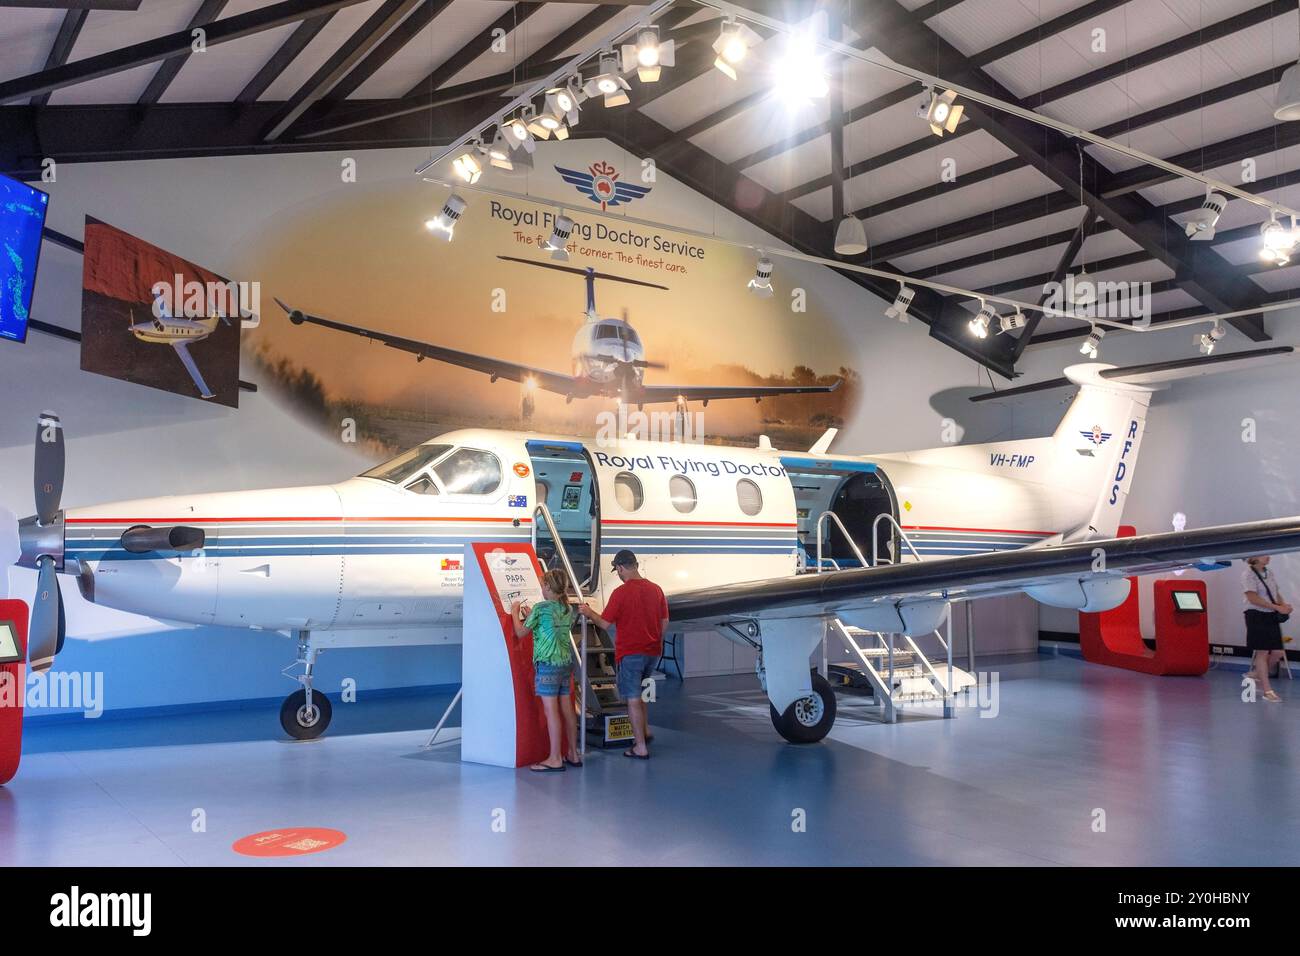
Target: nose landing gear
305,714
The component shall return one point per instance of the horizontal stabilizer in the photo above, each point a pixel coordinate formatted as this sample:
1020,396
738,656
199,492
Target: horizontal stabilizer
823,444
1159,373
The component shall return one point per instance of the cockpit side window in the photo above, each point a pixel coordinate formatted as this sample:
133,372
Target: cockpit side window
469,471
423,485
407,464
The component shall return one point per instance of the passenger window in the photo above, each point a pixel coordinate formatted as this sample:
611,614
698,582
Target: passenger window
627,491
468,471
423,486
682,492
749,497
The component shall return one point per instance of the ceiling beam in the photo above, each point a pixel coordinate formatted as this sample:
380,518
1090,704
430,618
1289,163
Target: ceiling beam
364,39
69,30
472,49
1042,31
118,5
160,48
208,11
1199,271
287,52
387,48
1081,232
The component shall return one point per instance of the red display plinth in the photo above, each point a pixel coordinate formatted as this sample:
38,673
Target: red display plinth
13,689
1114,637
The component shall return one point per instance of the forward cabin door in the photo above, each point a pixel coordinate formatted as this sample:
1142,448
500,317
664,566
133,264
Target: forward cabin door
566,484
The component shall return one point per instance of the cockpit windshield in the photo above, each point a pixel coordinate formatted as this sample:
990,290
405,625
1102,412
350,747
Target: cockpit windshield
407,463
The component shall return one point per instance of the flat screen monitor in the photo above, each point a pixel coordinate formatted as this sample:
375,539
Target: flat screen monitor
10,652
22,220
1188,601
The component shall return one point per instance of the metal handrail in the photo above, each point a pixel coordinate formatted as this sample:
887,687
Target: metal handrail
875,537
545,514
821,522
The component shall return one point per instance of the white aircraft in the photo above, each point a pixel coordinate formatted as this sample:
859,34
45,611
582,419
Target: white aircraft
166,329
608,358
730,533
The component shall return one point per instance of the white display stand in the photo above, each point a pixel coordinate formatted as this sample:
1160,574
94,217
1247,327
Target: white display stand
502,723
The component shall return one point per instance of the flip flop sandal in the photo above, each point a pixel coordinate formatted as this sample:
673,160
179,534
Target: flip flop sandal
542,768
635,756
573,763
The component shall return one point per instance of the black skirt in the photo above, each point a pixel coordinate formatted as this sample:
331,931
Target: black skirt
1263,632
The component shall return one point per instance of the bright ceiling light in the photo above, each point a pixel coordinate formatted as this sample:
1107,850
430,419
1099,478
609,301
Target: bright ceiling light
444,223
498,152
564,101
517,133
648,54
1092,344
1278,241
732,44
850,237
761,284
902,302
1206,341
559,238
941,112
1201,223
979,325
467,166
607,83
800,75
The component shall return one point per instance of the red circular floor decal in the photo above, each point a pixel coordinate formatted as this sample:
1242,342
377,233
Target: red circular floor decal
295,841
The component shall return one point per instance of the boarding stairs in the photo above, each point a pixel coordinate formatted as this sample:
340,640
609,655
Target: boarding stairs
891,666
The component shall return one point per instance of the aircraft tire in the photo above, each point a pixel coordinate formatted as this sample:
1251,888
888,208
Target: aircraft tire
297,723
808,720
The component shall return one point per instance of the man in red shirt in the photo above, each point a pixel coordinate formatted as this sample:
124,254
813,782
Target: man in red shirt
639,613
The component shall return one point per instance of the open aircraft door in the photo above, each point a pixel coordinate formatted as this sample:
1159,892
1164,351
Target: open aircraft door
856,493
566,484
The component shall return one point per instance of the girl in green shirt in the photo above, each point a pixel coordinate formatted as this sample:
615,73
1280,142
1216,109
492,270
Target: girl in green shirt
551,623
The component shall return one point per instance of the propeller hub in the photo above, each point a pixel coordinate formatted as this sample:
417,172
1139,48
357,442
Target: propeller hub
39,541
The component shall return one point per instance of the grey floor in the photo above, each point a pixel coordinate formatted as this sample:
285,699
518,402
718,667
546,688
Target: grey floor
1184,772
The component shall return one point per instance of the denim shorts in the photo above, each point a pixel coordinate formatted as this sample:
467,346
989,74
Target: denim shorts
551,680
632,672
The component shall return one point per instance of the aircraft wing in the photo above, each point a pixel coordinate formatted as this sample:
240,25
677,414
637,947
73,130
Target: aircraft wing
651,394
815,595
188,361
497,368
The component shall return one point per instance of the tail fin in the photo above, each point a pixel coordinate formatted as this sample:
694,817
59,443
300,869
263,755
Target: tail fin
1096,448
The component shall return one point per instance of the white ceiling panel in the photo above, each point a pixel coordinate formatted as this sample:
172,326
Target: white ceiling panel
334,34
993,239
431,46
520,42
1266,165
222,71
977,25
799,165
1278,280
107,30
26,38
974,201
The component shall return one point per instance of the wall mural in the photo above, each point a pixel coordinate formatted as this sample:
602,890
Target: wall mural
674,307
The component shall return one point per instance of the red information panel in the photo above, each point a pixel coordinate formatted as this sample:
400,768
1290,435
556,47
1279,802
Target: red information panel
13,685
291,841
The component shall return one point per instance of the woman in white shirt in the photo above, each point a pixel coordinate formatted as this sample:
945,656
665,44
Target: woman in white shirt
1264,610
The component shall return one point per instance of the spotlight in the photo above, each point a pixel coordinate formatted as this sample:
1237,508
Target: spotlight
498,153
1206,341
563,102
445,222
517,133
799,74
1006,323
979,325
1201,223
1278,241
732,44
544,125
761,284
467,165
607,83
902,302
1092,344
559,238
940,112
647,55
850,237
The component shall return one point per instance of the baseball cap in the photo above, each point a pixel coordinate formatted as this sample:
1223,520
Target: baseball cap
624,557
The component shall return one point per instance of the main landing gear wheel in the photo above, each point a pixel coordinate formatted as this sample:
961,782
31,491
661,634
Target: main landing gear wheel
808,719
300,722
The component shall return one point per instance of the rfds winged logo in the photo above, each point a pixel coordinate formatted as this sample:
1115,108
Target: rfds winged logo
601,184
1096,435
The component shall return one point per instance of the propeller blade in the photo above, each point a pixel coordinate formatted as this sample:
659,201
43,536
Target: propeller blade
48,475
43,641
63,620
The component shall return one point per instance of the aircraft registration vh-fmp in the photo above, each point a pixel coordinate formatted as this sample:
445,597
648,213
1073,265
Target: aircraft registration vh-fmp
732,535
